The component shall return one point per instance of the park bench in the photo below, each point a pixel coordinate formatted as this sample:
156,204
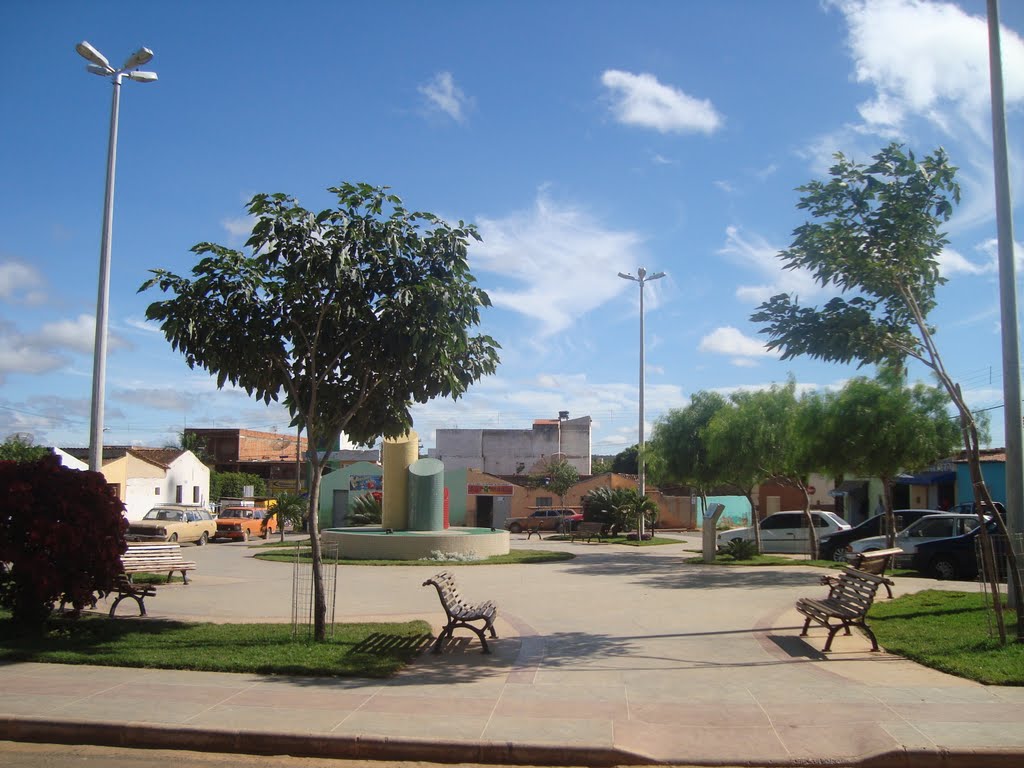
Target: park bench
846,606
156,558
876,562
147,558
460,613
137,592
588,531
535,531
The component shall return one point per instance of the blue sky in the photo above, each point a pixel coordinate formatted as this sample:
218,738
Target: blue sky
583,138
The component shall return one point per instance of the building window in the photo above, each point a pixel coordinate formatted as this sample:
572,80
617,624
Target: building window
544,501
195,494
178,494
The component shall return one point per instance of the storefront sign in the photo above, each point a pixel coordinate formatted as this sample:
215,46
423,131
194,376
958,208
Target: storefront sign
481,489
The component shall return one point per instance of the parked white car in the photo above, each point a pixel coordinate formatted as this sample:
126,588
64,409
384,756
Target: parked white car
787,531
941,525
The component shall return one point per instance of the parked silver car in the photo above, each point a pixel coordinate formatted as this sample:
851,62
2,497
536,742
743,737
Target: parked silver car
941,525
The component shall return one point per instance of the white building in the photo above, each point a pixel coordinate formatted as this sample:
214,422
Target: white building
516,451
145,477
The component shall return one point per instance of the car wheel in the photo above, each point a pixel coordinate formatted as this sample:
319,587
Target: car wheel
245,535
516,528
172,538
837,555
943,568
203,539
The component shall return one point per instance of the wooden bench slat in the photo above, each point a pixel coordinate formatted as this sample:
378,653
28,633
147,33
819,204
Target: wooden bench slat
849,599
148,558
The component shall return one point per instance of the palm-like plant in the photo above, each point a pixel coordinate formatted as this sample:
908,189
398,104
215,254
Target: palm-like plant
366,510
289,507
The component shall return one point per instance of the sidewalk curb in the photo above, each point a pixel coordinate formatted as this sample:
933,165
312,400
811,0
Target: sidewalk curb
148,736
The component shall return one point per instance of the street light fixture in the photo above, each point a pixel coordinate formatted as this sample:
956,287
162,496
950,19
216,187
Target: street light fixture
642,277
99,65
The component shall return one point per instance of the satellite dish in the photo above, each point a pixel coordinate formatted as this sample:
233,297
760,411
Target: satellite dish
22,437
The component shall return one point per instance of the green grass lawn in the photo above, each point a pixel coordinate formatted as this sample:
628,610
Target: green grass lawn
652,542
354,650
949,631
516,556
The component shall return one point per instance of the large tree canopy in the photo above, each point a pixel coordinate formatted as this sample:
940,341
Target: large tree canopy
874,233
349,315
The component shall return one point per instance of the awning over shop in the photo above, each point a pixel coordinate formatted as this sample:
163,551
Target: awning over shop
927,478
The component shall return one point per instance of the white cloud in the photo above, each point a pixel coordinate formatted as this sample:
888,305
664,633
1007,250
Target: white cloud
554,262
951,262
77,334
20,354
990,248
20,283
928,59
727,340
761,257
444,96
642,100
725,186
239,227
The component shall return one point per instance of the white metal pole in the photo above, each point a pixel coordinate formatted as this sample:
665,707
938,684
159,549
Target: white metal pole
99,359
640,451
1007,286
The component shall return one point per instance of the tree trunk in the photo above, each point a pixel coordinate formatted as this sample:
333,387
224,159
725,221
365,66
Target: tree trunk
890,516
319,599
812,533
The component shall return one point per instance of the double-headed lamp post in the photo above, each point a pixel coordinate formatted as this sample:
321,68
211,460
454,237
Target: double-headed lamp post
641,278
99,65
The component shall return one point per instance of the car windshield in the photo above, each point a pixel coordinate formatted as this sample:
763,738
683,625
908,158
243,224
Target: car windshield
172,515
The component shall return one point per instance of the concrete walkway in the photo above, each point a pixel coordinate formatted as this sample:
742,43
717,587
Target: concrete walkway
619,656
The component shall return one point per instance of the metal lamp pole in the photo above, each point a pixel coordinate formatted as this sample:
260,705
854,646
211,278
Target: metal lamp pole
642,277
100,66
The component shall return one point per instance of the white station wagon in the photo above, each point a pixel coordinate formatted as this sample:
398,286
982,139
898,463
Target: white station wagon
787,531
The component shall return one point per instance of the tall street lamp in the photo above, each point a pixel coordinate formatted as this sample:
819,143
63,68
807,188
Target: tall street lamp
642,277
100,66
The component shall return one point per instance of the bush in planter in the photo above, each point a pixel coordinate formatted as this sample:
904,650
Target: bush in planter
61,537
741,549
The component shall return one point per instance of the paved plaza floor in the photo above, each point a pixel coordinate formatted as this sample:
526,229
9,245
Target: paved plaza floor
619,656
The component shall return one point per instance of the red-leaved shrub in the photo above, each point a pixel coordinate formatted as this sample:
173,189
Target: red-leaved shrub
61,537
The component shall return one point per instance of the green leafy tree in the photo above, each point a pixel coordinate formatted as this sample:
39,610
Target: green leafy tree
734,439
600,466
231,485
348,315
18,447
626,462
874,234
677,447
558,477
880,427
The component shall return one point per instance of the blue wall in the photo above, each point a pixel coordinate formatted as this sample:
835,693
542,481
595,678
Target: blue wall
994,473
737,510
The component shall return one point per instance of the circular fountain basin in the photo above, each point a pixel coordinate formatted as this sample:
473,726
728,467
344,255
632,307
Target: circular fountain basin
371,543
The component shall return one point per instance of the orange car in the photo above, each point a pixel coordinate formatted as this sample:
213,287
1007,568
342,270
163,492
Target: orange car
241,523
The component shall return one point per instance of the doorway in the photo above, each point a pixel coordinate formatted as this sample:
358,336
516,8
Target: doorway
485,511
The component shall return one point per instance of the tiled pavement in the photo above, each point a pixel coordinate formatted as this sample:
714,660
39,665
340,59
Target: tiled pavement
619,656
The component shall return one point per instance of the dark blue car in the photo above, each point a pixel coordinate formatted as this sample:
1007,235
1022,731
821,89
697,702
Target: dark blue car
953,558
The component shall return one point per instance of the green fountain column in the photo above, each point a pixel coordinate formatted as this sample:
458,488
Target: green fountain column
426,495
